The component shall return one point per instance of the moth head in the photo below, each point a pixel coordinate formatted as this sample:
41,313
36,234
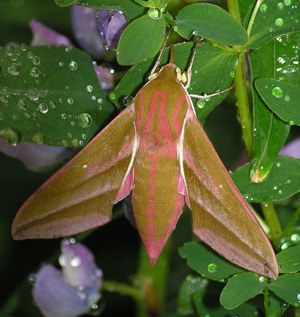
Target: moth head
182,76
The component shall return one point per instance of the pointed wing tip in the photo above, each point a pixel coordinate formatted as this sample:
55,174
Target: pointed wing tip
152,261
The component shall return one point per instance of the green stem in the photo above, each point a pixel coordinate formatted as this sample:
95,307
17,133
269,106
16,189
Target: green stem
291,222
272,221
243,104
121,288
253,15
266,301
234,10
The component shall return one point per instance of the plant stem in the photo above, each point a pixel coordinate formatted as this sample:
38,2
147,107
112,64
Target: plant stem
266,301
273,222
253,15
291,222
234,10
121,288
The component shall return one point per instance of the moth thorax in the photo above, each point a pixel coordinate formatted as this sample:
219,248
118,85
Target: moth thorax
182,76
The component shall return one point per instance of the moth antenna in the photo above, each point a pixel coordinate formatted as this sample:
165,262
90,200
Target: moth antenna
200,41
161,54
211,95
171,54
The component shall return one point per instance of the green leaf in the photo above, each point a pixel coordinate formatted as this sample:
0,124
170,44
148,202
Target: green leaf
242,287
131,9
289,260
188,288
276,305
208,263
211,22
269,132
281,97
282,183
141,39
50,95
211,72
64,3
287,288
273,19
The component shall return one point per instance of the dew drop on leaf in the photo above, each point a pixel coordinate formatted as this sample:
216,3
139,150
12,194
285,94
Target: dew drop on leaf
11,135
32,94
42,108
263,8
1,116
13,69
70,101
84,120
287,98
73,65
280,5
279,22
75,142
295,237
112,96
61,64
287,2
285,245
38,138
29,55
89,88
154,13
277,92
34,72
200,104
261,279
63,116
36,60
64,142
212,268
21,104
127,100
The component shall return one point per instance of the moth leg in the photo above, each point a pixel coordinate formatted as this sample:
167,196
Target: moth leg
211,95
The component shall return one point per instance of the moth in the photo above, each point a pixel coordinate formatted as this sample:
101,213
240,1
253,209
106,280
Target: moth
157,150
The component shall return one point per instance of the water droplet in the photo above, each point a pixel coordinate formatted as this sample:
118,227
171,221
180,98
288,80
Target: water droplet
68,49
212,268
295,237
29,55
278,164
52,104
94,97
175,28
284,305
287,2
83,136
36,60
89,88
285,245
13,69
84,120
263,8
262,279
73,65
279,22
32,94
64,142
11,135
277,92
23,47
38,138
280,5
292,122
32,278
112,96
42,108
34,72
61,64
70,101
75,262
275,187
200,103
21,104
63,116
232,74
288,181
127,100
287,98
1,116
154,13
280,192
75,142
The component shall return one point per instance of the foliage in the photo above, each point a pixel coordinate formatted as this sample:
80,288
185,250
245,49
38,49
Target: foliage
50,95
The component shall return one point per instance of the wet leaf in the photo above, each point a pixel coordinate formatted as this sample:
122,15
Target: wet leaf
220,26
274,18
289,260
242,287
50,95
132,46
282,183
281,97
64,3
208,263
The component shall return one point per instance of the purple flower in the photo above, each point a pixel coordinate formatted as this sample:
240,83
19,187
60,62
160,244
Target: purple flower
111,24
292,149
72,291
42,35
86,32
